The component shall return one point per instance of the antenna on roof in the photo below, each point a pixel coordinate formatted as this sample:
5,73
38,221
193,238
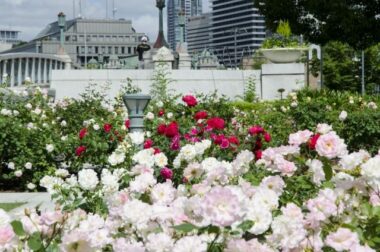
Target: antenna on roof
106,9
80,9
114,10
74,14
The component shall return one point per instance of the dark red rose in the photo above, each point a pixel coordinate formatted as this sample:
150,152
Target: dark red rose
267,137
255,130
218,139
148,144
157,151
175,144
82,133
185,180
258,154
161,129
313,141
161,112
79,151
200,115
127,123
166,173
215,123
258,144
190,100
107,127
234,140
171,130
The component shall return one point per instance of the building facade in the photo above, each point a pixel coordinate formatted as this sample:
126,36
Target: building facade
191,8
237,29
198,33
8,38
87,39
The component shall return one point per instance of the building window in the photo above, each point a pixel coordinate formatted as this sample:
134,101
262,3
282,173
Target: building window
89,49
103,49
116,50
96,49
110,50
123,50
129,50
82,50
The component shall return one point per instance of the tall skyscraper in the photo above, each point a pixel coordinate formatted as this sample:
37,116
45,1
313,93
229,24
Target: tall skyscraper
198,33
237,28
191,8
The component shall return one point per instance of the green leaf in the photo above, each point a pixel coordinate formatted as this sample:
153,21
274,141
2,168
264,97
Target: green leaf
328,171
18,228
186,227
35,242
246,225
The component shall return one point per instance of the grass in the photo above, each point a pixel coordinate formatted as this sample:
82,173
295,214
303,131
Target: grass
10,206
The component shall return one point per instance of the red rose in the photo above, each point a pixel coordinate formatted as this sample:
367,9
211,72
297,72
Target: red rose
175,144
161,112
233,140
218,139
171,130
107,127
267,137
200,115
157,151
148,144
258,144
258,154
313,141
215,123
166,173
127,124
82,133
161,129
80,150
225,143
255,130
190,100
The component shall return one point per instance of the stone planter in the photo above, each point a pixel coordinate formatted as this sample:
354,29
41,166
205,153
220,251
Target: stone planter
283,55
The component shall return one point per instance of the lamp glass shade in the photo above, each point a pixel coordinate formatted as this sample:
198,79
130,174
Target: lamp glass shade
61,20
136,104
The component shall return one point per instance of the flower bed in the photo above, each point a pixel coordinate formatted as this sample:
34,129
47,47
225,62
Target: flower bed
202,177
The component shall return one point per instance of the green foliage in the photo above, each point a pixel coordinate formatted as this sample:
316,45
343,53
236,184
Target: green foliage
250,90
159,89
282,38
284,29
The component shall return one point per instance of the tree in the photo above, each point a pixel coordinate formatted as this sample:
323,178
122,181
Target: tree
356,22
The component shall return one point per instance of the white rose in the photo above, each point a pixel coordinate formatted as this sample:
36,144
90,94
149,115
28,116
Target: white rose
169,115
96,127
160,104
343,116
64,138
88,179
49,148
137,137
16,113
150,116
31,186
18,173
160,160
28,165
28,106
11,165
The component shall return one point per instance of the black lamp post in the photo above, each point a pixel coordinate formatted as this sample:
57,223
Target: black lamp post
136,104
160,42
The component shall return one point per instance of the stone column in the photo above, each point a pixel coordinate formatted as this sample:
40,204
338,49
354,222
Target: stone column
50,69
45,71
27,68
55,65
12,72
5,62
33,70
39,71
19,72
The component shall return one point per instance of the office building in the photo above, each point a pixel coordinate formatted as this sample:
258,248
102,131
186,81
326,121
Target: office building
198,33
8,38
191,8
237,29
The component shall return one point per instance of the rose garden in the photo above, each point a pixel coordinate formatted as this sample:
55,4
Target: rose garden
206,174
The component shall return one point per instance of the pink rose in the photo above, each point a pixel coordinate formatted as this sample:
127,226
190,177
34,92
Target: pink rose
6,235
343,239
300,137
330,145
166,173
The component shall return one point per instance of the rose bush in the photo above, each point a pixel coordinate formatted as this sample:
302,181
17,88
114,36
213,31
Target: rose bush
296,197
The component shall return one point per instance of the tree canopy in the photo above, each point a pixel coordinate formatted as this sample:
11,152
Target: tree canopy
356,22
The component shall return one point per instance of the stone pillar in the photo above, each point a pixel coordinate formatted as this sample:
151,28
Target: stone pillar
33,70
19,72
45,71
55,64
50,69
5,62
27,68
39,71
1,73
12,72
163,57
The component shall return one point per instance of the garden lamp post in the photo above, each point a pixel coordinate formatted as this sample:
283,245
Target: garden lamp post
160,42
136,104
61,24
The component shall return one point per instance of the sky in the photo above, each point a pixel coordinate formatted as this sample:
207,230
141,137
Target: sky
31,16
